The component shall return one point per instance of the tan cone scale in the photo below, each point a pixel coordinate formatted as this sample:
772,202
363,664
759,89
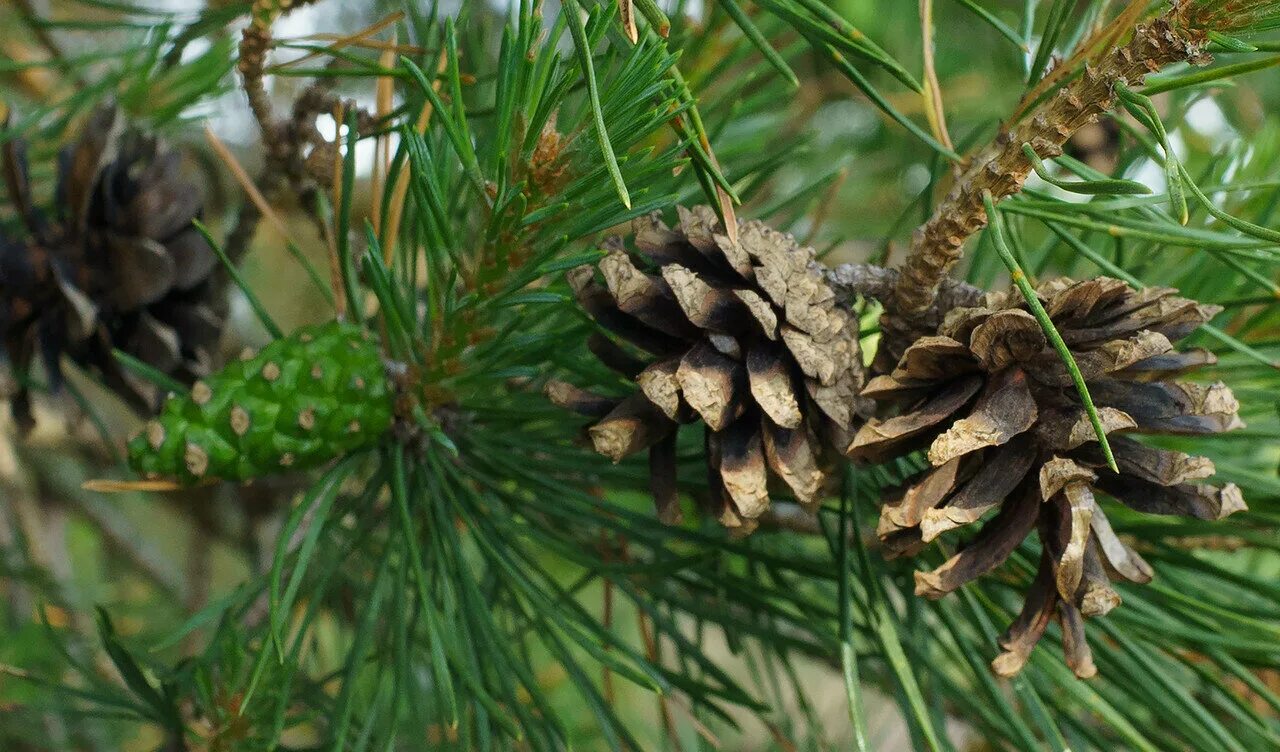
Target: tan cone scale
1007,439
744,336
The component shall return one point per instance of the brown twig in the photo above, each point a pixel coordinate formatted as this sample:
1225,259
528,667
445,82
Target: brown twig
1001,168
246,183
255,45
382,151
335,263
295,151
412,50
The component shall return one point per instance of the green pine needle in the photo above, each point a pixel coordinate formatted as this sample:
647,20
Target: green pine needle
1003,28
750,30
237,277
148,372
1033,302
1159,85
1110,186
583,47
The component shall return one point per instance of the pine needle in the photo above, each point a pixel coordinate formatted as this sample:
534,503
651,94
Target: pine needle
108,485
250,296
583,47
382,150
400,191
346,41
1042,316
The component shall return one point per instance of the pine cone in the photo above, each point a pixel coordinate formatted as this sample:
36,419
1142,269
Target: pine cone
1006,433
118,265
300,402
744,335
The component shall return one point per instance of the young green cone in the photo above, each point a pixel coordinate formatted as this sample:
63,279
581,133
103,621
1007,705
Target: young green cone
303,400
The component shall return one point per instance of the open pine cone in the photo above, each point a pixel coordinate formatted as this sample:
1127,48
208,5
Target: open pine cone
118,265
744,335
1006,433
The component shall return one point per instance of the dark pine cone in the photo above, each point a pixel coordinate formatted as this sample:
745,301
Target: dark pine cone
1006,433
744,335
117,265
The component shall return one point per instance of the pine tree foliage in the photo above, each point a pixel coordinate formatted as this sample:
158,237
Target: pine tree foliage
475,577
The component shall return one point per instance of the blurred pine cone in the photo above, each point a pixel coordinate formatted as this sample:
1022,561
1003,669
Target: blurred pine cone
1097,145
116,265
1006,433
744,335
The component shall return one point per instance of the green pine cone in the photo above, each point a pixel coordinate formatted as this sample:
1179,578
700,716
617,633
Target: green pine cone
303,400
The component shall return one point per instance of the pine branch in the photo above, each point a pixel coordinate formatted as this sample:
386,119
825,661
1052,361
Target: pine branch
1001,168
879,283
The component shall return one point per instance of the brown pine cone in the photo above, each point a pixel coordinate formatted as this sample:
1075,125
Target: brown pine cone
117,265
1006,434
745,336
